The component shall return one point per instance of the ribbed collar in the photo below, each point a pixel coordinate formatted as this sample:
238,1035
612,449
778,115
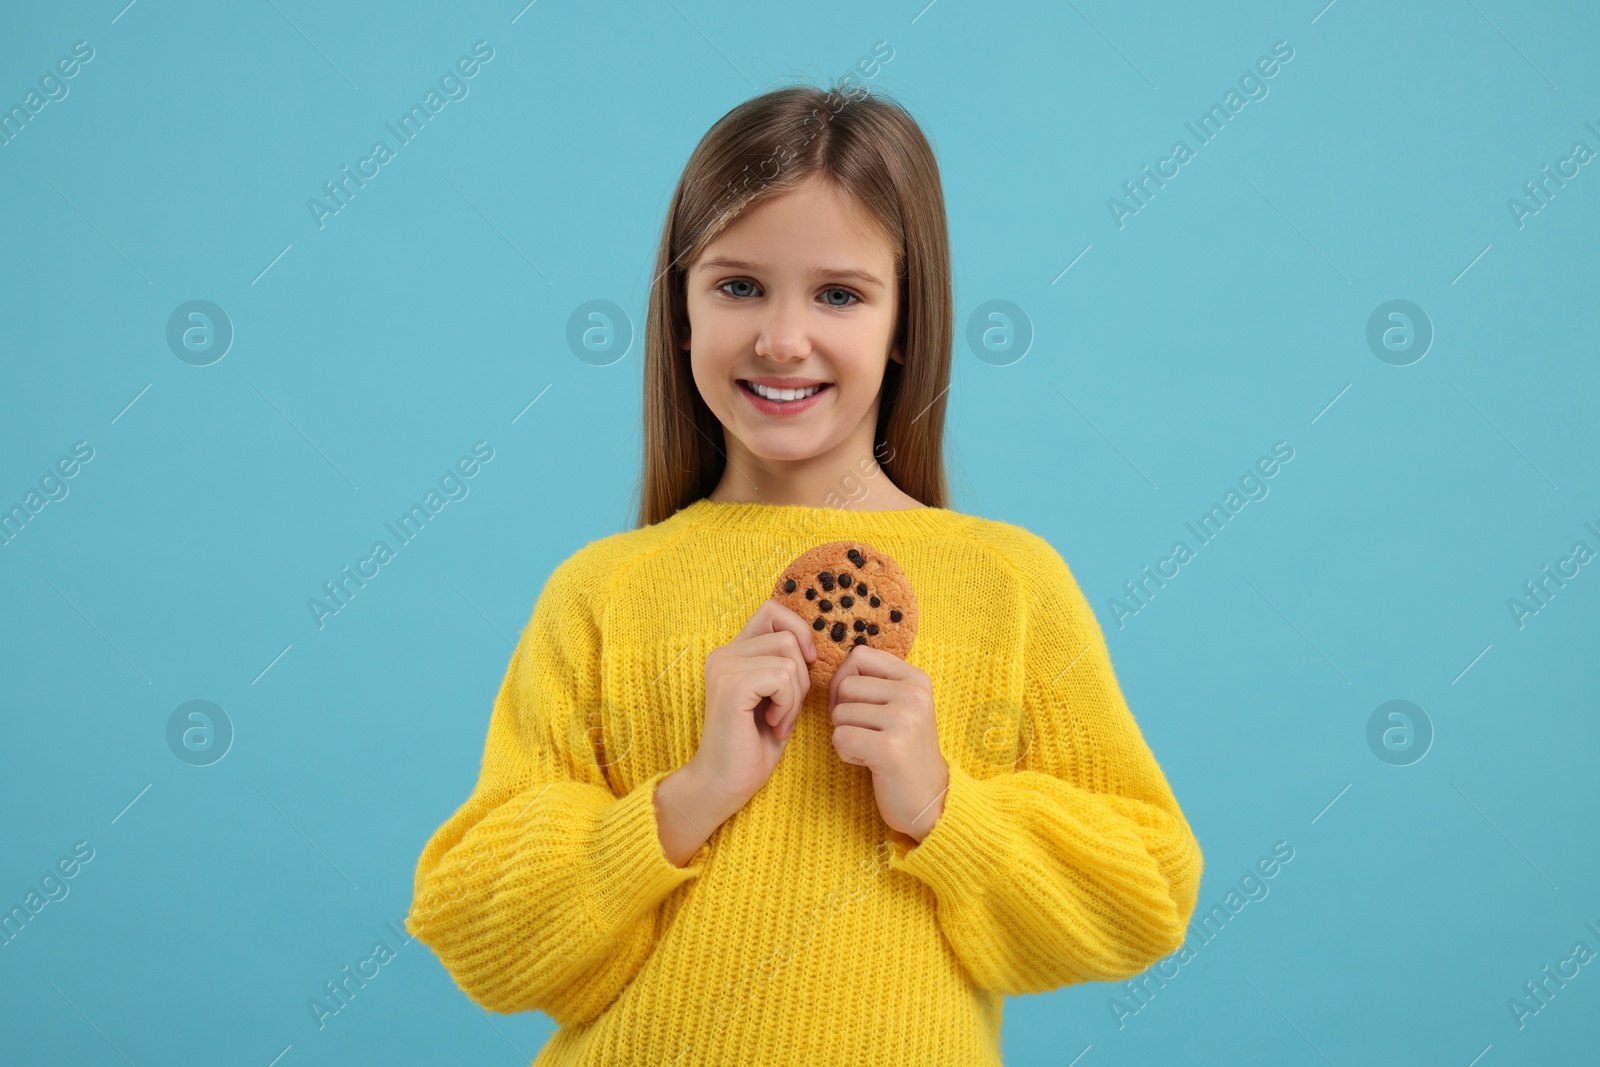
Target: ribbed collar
725,515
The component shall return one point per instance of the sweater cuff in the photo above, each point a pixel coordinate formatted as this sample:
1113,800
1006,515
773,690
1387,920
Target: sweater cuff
966,849
631,871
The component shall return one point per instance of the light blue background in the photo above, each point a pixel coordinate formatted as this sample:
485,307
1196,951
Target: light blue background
1228,314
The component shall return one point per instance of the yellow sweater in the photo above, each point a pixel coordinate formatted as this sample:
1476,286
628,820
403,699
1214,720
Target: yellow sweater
804,931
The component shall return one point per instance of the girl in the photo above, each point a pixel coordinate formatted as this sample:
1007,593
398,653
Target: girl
679,849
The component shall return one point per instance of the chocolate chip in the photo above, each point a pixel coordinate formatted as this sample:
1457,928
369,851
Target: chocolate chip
861,590
859,641
846,601
872,628
894,616
811,594
788,585
837,633
820,624
855,557
826,578
844,579
860,626
825,605
874,601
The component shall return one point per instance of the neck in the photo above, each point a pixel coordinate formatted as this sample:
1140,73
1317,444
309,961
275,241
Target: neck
860,484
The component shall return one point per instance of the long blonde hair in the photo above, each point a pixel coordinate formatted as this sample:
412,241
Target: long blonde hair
869,148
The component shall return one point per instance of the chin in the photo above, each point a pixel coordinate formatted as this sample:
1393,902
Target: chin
774,452
787,444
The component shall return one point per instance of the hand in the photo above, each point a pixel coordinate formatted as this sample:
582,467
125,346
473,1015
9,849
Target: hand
755,685
882,711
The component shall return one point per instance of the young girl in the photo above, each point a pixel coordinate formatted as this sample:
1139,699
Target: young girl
678,848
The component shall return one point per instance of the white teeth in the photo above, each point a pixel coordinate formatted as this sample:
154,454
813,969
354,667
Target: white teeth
783,394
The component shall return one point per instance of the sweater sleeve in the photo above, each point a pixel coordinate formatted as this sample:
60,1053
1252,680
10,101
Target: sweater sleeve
1075,863
541,892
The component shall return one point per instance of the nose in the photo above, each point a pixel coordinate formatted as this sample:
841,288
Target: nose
782,335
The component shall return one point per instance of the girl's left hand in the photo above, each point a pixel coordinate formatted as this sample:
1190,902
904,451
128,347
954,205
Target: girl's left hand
883,719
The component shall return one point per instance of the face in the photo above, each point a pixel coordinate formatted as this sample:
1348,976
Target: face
799,292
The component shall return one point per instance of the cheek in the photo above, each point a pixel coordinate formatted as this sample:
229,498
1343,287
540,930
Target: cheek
858,384
711,380
715,341
706,379
712,358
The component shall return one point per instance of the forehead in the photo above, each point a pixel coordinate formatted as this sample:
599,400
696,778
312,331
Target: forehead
813,225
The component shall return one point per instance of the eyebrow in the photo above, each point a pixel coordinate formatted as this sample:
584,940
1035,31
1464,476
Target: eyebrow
724,263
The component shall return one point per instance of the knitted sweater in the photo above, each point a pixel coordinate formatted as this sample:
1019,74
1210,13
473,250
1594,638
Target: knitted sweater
805,930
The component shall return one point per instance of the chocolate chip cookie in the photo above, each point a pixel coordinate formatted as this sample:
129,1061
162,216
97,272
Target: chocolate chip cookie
851,594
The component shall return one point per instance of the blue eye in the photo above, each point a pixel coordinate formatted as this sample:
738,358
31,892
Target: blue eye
853,298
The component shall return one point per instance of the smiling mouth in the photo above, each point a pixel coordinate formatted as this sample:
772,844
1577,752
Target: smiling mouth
783,396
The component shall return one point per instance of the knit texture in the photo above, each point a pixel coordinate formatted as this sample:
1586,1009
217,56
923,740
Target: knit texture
804,930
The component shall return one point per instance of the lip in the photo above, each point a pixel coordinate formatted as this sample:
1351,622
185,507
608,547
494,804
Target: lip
773,407
787,383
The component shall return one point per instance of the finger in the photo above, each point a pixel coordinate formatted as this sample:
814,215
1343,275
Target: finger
797,690
773,617
779,643
772,643
799,681
866,660
857,662
875,717
794,717
796,680
850,667
856,745
769,677
802,685
865,689
802,652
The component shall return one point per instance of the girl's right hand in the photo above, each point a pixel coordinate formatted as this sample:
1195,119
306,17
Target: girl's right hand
755,685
